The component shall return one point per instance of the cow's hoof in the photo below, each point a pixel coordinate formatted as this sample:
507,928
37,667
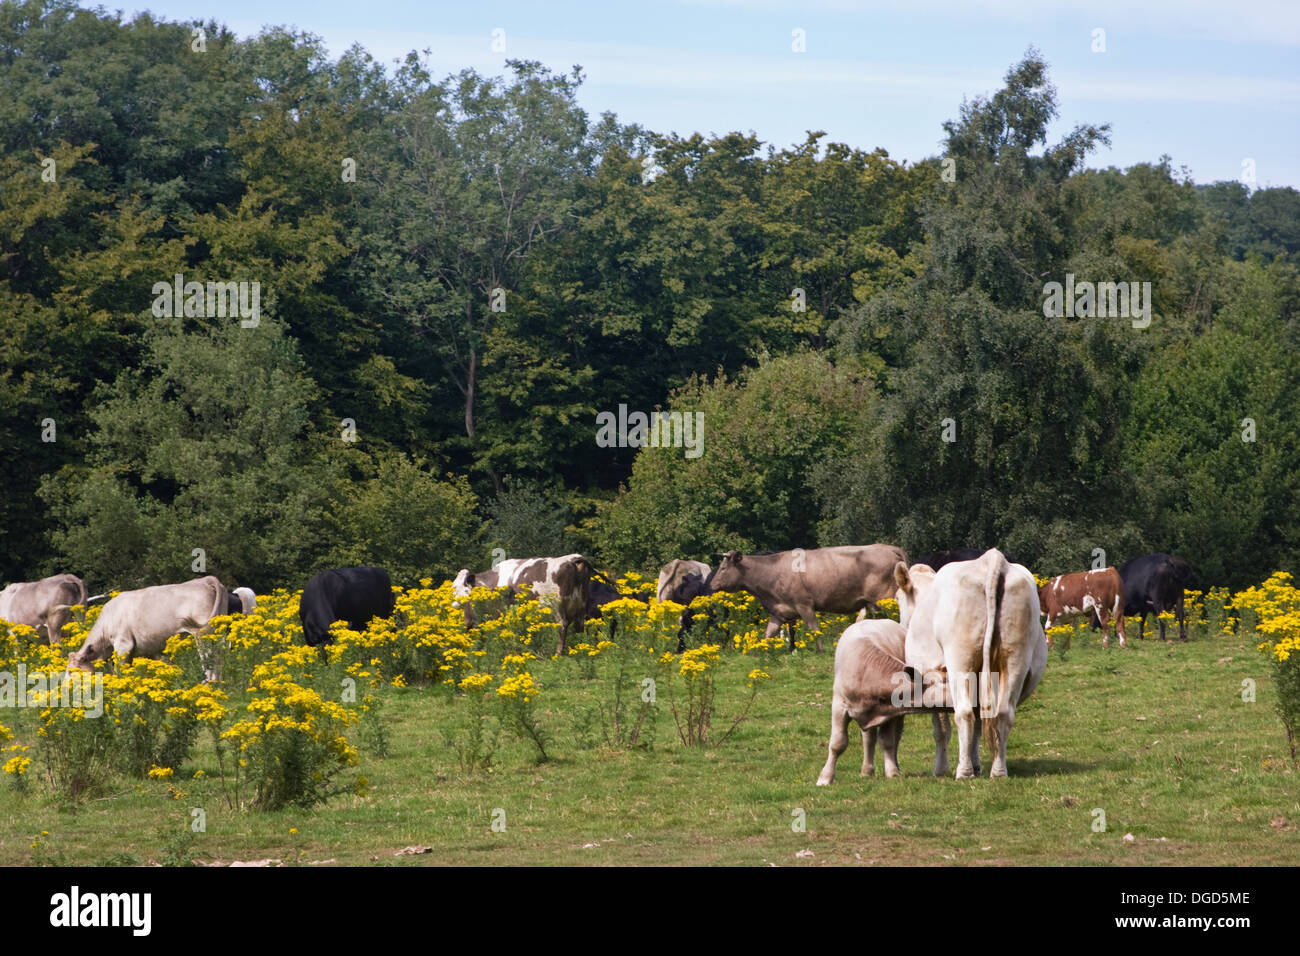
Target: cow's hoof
823,783
893,773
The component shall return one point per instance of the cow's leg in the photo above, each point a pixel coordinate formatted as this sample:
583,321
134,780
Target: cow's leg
839,741
1142,626
891,732
869,735
975,742
999,731
941,727
1182,620
1162,628
1120,624
1104,616
775,624
814,628
966,718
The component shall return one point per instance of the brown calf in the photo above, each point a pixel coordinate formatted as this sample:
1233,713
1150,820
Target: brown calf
1072,595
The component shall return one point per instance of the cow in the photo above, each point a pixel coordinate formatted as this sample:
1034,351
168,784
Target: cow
1099,593
44,605
873,687
562,581
355,595
977,623
139,623
600,592
794,585
1154,583
937,559
240,601
682,581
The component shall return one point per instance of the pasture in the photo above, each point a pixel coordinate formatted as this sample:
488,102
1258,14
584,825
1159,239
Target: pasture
1156,736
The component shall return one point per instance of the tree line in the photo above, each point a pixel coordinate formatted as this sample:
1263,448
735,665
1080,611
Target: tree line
457,275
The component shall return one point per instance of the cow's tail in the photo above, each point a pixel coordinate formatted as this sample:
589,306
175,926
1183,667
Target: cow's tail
992,589
220,601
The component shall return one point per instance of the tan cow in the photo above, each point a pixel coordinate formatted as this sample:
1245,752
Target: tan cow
1074,595
139,623
978,623
874,687
45,605
794,585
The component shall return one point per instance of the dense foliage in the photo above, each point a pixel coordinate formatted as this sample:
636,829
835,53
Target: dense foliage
458,275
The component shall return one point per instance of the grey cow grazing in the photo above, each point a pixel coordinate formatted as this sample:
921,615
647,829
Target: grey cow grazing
139,623
874,687
794,585
45,605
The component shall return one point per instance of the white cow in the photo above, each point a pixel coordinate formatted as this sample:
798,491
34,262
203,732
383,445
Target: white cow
44,605
139,623
978,623
874,687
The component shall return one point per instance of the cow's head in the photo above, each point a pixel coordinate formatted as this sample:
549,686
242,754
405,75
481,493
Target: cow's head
727,575
84,658
912,583
463,583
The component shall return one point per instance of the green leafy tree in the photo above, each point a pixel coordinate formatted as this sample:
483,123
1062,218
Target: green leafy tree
409,522
749,488
1211,485
207,445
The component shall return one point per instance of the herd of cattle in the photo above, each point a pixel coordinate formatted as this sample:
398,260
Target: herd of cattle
969,641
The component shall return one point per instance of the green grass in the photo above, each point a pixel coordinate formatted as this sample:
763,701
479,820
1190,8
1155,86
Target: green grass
1156,736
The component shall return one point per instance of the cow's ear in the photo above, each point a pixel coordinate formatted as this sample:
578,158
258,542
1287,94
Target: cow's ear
901,578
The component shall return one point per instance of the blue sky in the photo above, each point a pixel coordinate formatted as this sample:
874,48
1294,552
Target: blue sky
1210,84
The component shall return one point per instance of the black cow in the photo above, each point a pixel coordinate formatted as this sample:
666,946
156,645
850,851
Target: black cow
240,601
1154,583
600,593
354,595
937,559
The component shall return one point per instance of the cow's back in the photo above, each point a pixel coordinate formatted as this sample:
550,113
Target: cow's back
867,658
354,595
844,576
28,602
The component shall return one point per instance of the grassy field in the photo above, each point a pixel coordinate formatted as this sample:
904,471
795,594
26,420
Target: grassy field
1158,737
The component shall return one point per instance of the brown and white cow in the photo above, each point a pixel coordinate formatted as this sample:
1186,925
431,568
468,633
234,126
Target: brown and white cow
559,582
978,623
794,585
45,605
1086,592
139,623
874,687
